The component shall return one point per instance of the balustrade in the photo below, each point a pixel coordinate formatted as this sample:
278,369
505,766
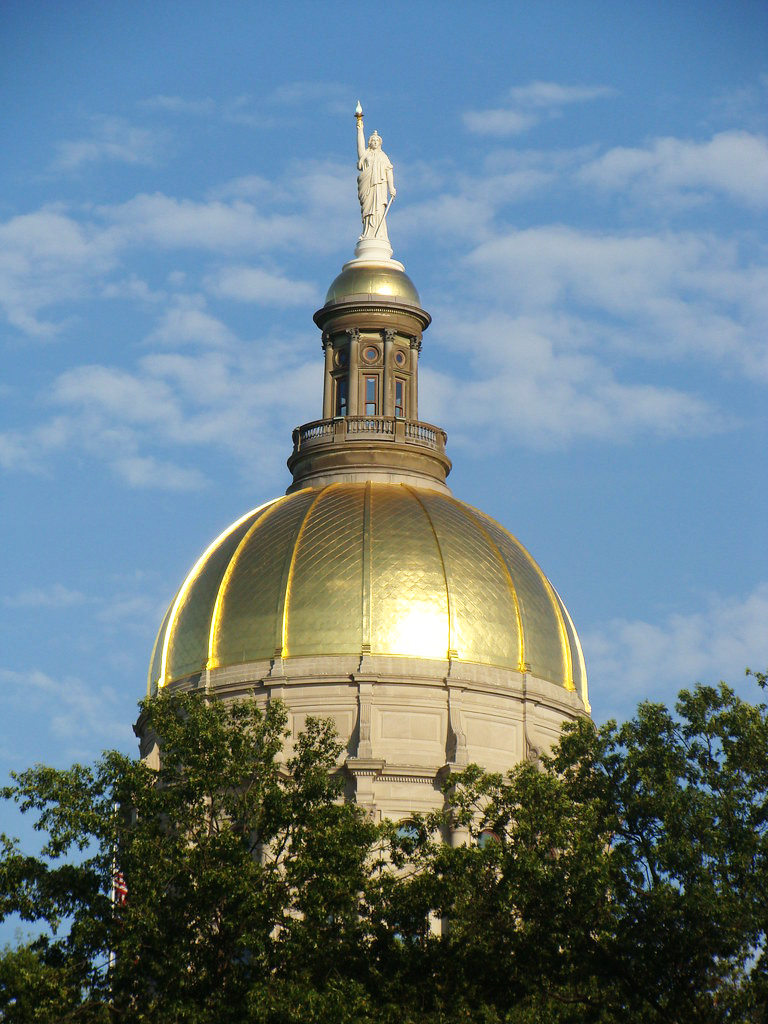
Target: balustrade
383,428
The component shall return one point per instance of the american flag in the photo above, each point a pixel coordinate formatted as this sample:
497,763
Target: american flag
119,888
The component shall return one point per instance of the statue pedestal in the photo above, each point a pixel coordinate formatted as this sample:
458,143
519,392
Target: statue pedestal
374,250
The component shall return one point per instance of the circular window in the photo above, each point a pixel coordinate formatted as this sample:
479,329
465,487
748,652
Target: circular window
370,354
342,357
408,834
400,358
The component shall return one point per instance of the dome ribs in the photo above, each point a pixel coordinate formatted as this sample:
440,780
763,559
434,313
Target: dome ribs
409,606
365,646
248,623
522,665
325,581
547,641
451,652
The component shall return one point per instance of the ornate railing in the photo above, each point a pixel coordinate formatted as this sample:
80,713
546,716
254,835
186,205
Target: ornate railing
361,428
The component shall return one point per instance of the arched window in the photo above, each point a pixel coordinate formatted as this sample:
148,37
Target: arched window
487,836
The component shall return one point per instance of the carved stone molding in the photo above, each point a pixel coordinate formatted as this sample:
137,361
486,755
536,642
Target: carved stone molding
457,737
365,702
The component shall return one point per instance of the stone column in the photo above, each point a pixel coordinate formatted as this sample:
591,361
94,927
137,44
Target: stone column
388,381
328,381
354,371
413,395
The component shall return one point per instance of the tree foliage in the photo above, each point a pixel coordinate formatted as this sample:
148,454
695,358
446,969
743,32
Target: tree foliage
623,878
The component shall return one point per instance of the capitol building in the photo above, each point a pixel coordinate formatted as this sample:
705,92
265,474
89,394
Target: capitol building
368,593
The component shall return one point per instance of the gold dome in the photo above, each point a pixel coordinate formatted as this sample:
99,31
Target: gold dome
371,279
356,567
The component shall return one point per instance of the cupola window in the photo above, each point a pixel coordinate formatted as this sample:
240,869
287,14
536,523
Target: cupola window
399,398
341,396
371,403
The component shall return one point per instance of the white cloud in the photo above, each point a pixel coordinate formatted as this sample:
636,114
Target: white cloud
137,612
733,164
187,321
110,415
57,257
457,218
552,94
132,287
332,97
46,258
238,225
547,265
238,400
744,105
146,471
111,390
54,596
247,187
247,111
261,111
511,186
661,296
526,105
324,189
629,661
533,383
499,121
252,284
77,715
179,105
469,214
302,97
111,138
214,226
27,450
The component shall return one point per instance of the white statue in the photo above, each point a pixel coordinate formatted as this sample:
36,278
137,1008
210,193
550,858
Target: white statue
375,183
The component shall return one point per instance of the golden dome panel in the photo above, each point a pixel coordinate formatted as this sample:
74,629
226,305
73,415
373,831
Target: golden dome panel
372,279
540,613
486,613
356,567
324,589
408,592
248,624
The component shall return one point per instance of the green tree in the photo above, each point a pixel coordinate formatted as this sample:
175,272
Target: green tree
629,881
621,879
244,875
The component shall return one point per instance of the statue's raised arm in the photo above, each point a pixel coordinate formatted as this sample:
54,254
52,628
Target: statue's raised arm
375,182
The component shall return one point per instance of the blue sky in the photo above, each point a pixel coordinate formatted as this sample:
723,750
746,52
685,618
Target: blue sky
582,197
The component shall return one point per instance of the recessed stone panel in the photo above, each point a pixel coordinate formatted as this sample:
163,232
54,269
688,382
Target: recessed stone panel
343,720
490,734
407,725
